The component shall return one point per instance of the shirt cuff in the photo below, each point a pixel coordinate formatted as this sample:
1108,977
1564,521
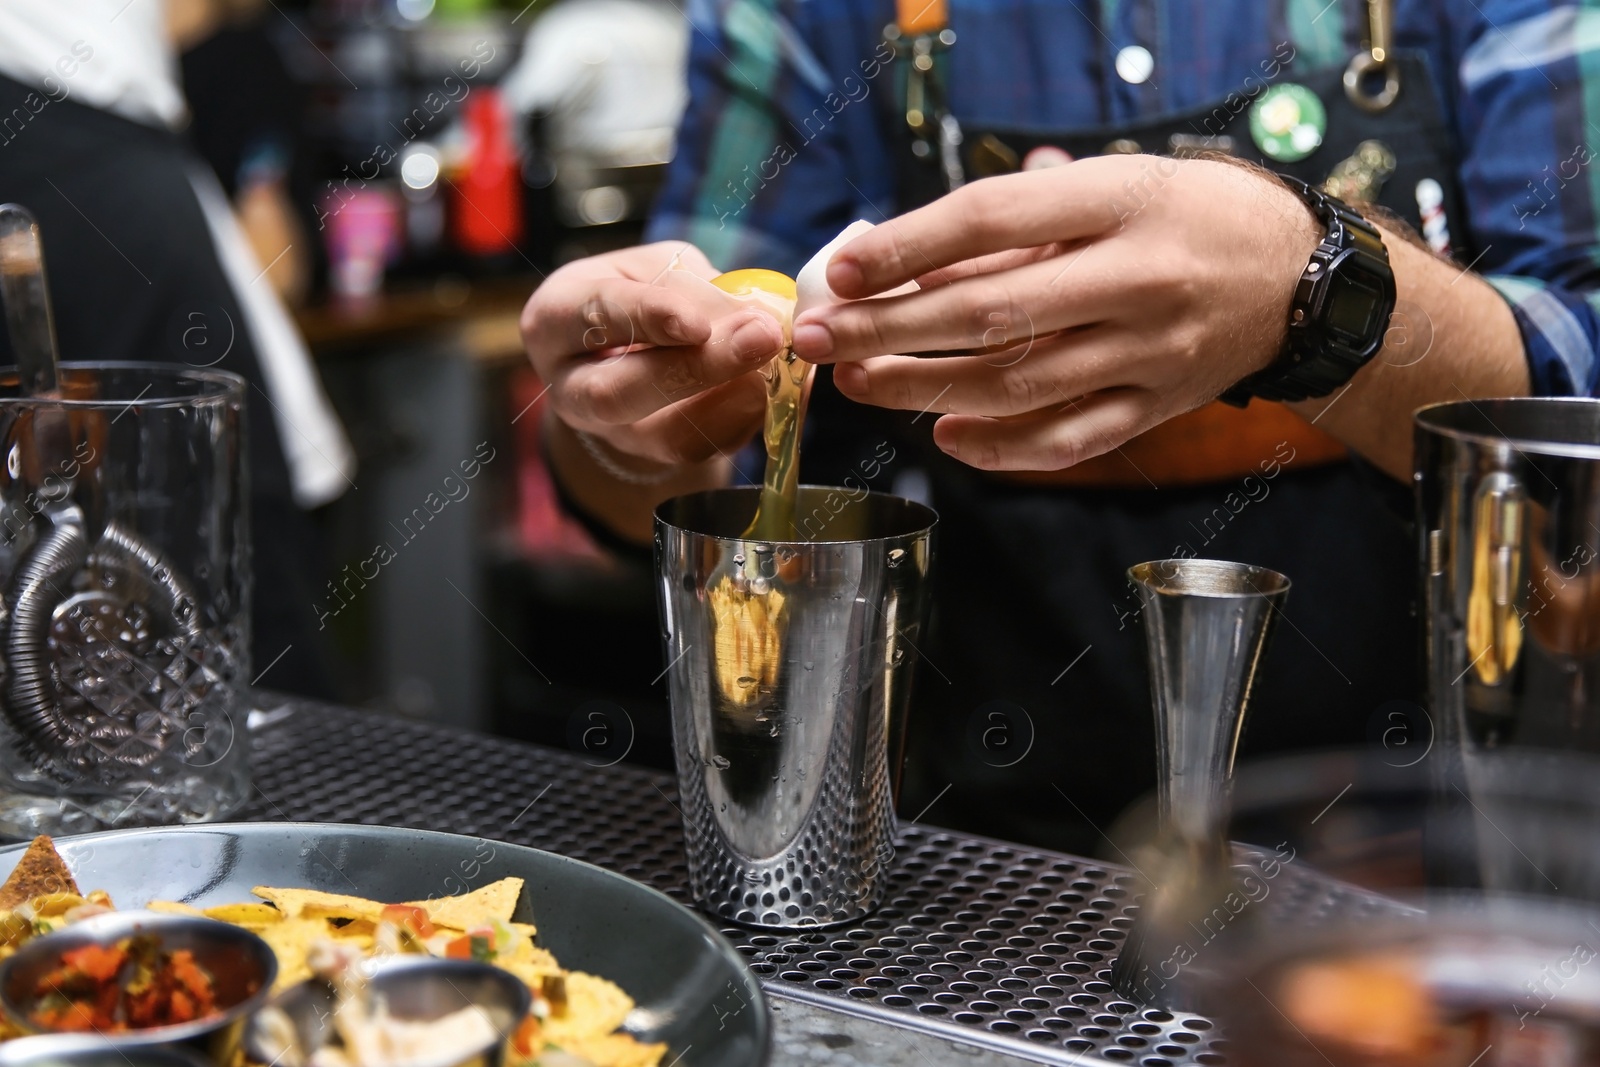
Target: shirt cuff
1560,332
602,534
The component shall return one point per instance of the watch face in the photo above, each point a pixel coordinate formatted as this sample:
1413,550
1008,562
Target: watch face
1353,303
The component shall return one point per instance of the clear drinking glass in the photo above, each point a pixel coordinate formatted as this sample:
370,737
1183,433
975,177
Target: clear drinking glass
125,578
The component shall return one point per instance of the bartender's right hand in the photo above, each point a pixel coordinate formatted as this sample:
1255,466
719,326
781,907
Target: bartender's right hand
641,366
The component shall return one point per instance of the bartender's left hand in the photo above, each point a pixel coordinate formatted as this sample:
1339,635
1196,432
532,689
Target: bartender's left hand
1082,307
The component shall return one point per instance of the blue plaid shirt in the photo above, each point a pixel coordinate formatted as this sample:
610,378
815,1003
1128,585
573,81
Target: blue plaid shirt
782,147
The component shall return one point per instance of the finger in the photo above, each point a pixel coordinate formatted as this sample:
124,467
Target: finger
1008,381
570,316
719,421
1051,439
671,255
992,215
1084,286
1015,257
627,387
642,263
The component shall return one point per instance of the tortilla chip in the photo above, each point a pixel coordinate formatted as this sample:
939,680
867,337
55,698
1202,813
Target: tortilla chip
356,937
40,871
532,965
291,941
174,907
251,915
55,905
312,903
496,900
595,1007
343,913
359,932
615,1050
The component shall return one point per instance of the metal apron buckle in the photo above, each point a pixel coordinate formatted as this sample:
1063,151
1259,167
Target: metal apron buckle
933,126
1375,60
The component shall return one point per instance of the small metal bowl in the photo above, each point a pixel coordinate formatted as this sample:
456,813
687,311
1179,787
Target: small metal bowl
416,988
87,1050
241,965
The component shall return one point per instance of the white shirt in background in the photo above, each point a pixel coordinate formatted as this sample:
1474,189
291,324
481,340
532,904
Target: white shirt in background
121,61
108,54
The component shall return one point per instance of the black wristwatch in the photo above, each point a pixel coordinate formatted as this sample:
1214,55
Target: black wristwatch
1340,310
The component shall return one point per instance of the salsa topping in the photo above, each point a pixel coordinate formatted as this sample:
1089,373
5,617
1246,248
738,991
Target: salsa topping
132,985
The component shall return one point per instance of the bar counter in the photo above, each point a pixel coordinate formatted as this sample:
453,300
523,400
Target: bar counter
982,950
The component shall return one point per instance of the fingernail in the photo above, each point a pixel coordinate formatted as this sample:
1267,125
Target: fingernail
850,377
755,340
813,341
844,276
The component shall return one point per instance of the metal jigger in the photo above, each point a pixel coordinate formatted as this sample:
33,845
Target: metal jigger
1206,625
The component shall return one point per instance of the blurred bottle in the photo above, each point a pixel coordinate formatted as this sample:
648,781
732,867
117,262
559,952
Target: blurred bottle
363,232
486,217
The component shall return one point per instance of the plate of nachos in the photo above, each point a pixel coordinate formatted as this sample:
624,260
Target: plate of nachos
620,975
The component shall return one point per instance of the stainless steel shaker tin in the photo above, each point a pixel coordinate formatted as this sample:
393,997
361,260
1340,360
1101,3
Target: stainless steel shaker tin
1508,496
789,666
1508,499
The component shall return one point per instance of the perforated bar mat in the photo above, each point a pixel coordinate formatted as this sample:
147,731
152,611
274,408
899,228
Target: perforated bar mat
978,941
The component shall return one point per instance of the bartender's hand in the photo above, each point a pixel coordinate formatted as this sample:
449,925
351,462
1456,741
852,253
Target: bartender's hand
639,368
648,395
1085,304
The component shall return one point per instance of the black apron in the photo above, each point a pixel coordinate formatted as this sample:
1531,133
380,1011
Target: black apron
1413,127
130,262
1031,720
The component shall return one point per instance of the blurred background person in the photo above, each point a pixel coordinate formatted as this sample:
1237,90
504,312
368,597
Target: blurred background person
600,89
247,120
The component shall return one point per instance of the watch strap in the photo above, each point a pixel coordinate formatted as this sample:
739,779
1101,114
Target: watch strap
1310,366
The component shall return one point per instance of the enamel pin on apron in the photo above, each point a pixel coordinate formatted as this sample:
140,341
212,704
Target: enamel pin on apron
1287,122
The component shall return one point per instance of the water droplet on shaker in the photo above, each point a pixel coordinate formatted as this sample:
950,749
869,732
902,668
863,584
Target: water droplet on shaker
739,558
896,555
745,681
721,763
898,655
